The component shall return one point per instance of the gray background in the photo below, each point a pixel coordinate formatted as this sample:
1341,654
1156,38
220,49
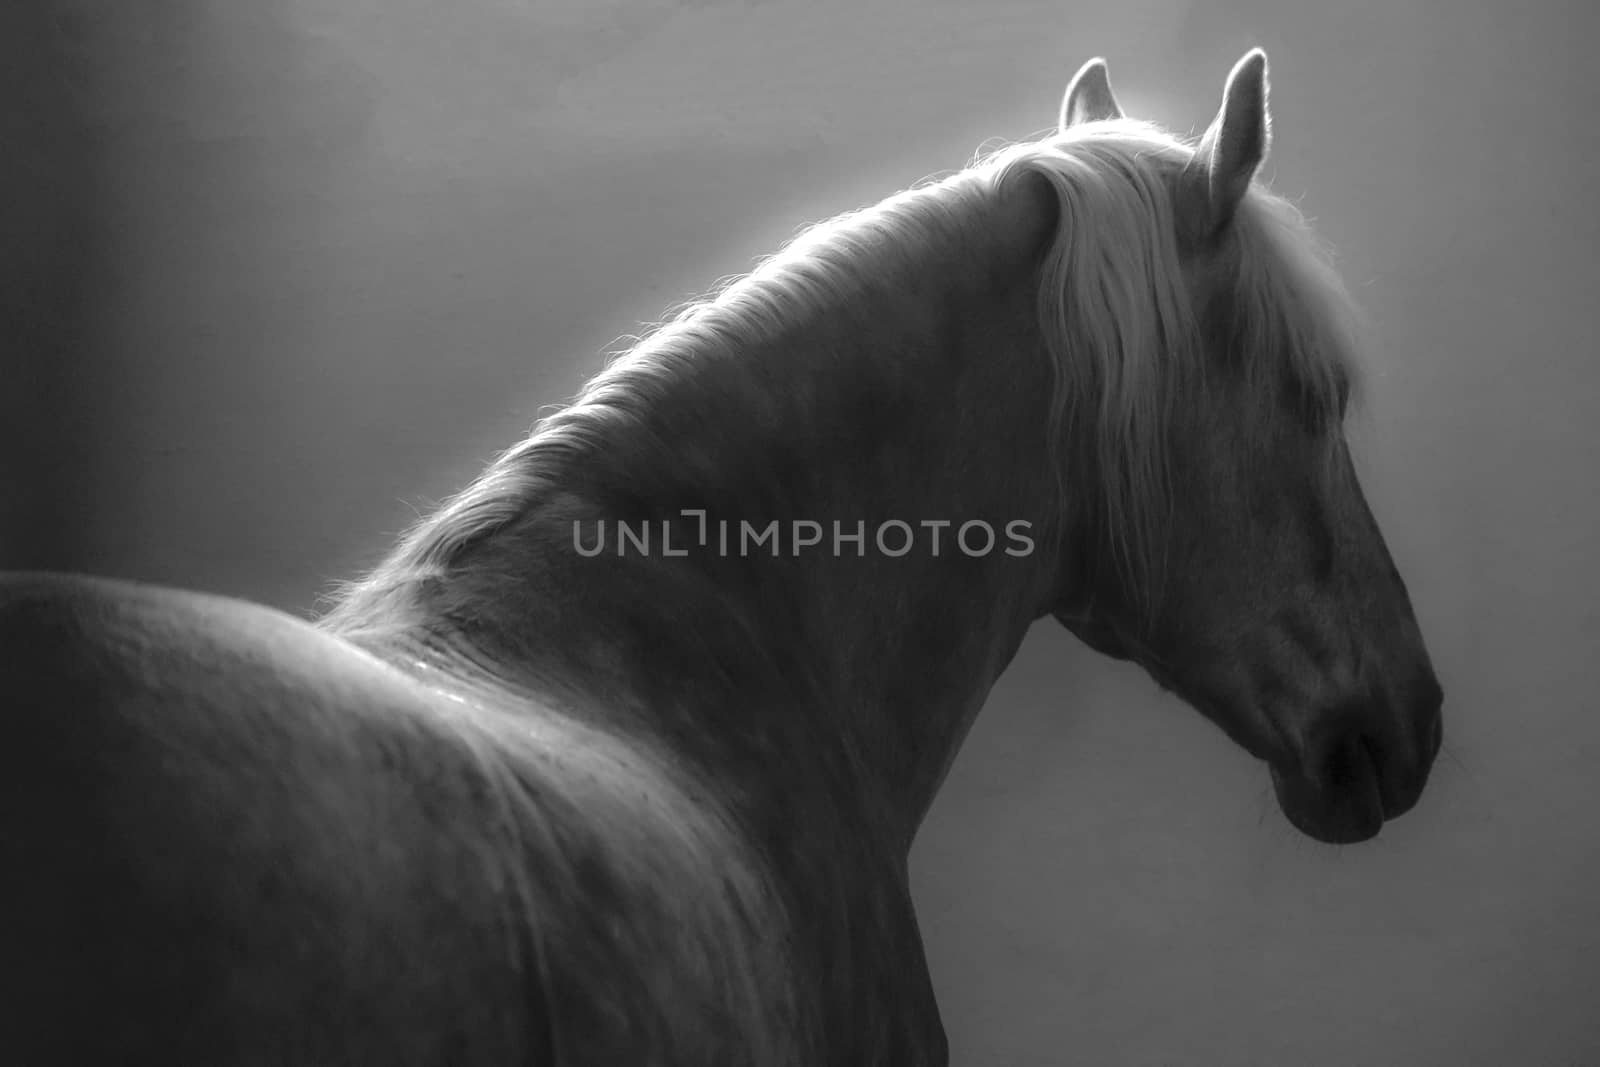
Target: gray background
278,273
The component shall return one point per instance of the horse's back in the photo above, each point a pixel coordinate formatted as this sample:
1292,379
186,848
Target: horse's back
233,838
229,838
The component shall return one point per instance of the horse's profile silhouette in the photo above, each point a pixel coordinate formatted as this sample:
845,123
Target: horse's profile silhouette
618,758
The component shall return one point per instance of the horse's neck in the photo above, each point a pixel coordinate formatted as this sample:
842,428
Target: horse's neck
856,676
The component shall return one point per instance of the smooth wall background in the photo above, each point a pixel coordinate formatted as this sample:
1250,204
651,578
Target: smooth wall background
279,272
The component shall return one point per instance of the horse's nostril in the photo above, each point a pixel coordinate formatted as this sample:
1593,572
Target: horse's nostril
1349,761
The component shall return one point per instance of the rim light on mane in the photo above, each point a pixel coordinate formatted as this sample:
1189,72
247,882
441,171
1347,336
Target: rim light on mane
1113,307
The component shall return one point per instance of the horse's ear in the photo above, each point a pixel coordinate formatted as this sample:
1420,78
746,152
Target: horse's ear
1089,97
1234,145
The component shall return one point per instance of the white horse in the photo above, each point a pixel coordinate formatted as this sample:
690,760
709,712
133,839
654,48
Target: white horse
519,801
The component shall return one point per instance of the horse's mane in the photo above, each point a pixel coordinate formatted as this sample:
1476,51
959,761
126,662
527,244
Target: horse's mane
1114,313
1118,319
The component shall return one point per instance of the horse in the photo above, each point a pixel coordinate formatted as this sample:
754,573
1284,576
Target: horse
618,757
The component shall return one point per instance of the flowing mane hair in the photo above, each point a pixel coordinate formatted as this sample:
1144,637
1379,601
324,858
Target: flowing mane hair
1119,322
1114,308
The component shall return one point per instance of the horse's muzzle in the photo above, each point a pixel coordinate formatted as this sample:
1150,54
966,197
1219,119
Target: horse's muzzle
1347,780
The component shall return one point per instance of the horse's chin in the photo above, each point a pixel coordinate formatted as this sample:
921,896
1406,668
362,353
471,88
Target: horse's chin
1339,814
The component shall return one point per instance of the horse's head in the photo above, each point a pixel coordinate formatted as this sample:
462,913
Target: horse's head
1232,553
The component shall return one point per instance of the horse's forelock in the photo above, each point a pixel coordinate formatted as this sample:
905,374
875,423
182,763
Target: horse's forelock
1118,320
1293,309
